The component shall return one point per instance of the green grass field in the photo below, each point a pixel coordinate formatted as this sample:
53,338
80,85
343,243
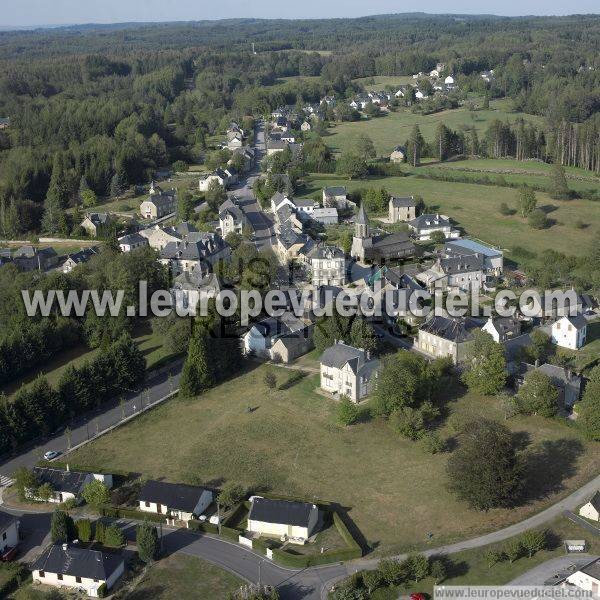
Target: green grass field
475,208
394,128
291,444
185,577
381,81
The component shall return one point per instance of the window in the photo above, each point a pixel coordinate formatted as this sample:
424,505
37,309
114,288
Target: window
42,574
146,503
4,535
59,576
78,579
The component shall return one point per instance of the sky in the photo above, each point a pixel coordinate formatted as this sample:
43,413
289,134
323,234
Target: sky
60,12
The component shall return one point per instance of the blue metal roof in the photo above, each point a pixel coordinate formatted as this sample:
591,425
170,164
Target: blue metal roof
475,247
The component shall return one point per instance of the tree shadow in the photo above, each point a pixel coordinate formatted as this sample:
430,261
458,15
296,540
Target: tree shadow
547,465
155,591
548,208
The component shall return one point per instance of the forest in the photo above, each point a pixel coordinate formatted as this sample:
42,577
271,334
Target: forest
102,107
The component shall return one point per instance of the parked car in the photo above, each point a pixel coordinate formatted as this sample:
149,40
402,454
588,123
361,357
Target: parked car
51,454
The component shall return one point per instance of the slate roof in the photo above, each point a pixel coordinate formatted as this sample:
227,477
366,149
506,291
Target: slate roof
98,218
6,521
172,495
285,325
578,321
132,238
337,190
84,254
61,480
592,569
328,252
186,228
594,501
429,221
560,376
196,280
281,511
78,562
403,202
198,246
452,329
361,218
461,264
320,213
339,354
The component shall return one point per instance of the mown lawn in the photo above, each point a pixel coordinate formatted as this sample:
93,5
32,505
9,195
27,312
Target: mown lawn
394,128
289,443
180,577
476,209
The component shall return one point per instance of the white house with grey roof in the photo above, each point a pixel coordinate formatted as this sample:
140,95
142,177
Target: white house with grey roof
78,258
131,241
261,337
454,273
288,520
176,501
336,196
78,568
424,226
348,371
569,332
402,209
231,218
191,288
66,484
502,328
196,248
587,578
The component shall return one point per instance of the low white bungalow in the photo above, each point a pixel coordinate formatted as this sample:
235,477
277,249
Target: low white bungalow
175,500
66,485
70,566
587,578
293,521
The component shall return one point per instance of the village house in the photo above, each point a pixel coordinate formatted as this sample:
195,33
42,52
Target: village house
457,273
306,126
9,535
131,241
96,224
587,578
288,348
30,258
336,196
261,337
247,154
193,287
66,484
235,139
402,209
158,237
493,258
348,371
569,332
70,566
279,199
447,336
424,225
305,206
328,265
290,243
78,258
218,176
325,216
398,154
591,509
502,328
283,519
563,379
158,204
231,218
177,501
201,247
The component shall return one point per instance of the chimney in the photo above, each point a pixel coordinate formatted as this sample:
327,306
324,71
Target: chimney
537,363
68,468
65,546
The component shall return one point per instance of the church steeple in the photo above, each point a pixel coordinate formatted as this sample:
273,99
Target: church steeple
362,223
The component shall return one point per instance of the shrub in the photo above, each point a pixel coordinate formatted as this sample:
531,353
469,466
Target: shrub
102,590
538,219
61,527
433,443
146,538
114,537
347,411
100,532
231,494
84,530
513,550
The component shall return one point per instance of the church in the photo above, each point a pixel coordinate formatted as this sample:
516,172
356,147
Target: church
368,247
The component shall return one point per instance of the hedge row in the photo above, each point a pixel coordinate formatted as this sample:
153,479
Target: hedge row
206,527
17,573
117,512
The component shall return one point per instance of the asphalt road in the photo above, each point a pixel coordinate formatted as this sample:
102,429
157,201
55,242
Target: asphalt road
86,427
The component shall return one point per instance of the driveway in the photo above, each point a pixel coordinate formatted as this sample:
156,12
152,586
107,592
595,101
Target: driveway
553,570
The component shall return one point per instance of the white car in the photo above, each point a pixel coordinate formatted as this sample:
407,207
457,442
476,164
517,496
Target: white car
51,454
